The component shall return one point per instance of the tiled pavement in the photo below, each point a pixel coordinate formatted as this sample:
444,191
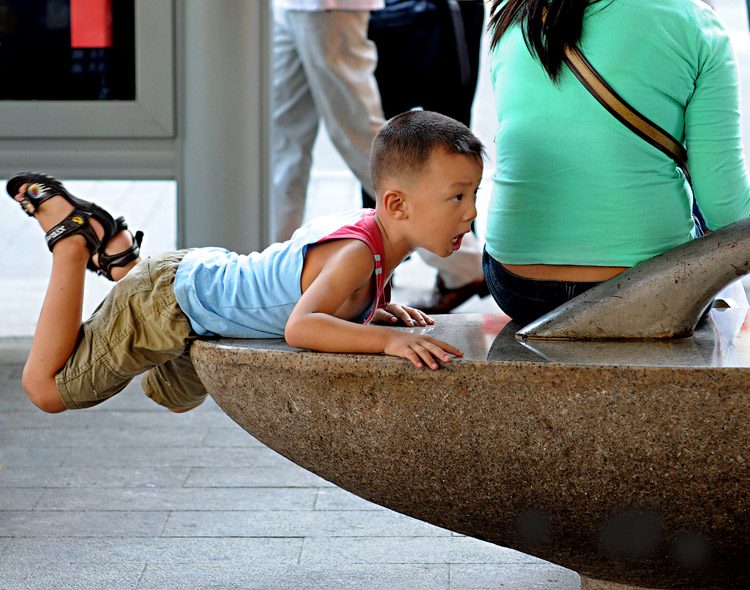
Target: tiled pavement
129,495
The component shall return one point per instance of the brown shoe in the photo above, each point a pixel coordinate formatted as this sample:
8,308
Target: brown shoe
444,300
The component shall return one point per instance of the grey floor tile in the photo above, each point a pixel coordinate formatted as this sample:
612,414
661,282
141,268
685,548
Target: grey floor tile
17,499
234,552
230,501
82,524
326,550
12,396
33,456
33,419
229,437
490,576
343,577
104,437
63,576
136,420
266,457
102,477
285,476
338,499
188,456
298,524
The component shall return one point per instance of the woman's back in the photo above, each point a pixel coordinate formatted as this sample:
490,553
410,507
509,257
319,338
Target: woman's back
573,186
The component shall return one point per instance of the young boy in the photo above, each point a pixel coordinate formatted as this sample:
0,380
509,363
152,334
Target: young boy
320,290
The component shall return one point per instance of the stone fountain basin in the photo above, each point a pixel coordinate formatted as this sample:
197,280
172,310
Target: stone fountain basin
625,461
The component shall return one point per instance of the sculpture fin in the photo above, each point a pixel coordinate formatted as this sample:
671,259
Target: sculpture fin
663,297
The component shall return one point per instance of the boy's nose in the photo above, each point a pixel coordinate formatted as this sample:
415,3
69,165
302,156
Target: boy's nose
471,212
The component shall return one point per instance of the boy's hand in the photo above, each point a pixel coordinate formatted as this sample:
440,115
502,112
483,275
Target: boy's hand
421,350
393,312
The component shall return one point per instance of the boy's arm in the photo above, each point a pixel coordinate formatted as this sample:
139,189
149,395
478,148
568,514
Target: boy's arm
314,325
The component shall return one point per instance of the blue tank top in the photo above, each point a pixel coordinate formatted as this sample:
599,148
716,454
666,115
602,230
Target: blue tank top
252,295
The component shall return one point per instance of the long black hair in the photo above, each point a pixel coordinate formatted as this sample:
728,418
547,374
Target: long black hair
545,36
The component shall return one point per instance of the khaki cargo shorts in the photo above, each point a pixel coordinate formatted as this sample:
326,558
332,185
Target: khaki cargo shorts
138,328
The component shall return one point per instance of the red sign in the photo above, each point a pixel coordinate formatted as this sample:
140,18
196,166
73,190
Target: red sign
90,23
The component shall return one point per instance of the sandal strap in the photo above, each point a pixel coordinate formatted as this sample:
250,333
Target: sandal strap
109,261
75,223
34,196
41,187
28,177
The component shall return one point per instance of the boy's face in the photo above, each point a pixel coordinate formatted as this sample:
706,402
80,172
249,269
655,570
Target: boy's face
442,202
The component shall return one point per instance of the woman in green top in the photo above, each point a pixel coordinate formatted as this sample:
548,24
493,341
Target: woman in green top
577,197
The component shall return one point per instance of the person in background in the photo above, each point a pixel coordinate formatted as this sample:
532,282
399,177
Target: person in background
322,68
577,198
428,58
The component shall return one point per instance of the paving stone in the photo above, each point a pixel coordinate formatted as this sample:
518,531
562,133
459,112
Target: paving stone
338,499
381,523
33,418
102,477
231,501
170,551
146,438
17,499
266,457
230,437
82,524
252,577
133,455
130,420
288,476
61,576
28,457
13,397
490,576
332,550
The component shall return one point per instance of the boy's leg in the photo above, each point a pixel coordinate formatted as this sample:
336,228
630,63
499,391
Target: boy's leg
175,384
59,322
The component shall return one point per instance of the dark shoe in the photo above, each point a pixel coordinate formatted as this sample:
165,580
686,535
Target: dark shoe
444,300
41,187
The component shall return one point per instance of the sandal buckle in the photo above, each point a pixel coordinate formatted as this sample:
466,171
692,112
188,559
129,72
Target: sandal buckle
28,207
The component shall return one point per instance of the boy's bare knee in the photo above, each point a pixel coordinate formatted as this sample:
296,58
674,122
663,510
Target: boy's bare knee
42,393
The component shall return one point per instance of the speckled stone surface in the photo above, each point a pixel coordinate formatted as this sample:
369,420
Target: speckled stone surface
624,461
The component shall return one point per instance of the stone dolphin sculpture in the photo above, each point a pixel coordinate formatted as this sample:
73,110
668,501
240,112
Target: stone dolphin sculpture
663,297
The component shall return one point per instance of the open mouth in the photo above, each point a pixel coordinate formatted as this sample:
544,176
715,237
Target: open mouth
456,242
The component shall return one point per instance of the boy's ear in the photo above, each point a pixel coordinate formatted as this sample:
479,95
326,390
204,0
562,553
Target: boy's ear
395,204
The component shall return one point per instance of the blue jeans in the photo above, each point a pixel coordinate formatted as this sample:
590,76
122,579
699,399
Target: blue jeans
524,299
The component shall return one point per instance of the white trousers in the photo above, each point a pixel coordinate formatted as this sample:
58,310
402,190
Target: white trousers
323,68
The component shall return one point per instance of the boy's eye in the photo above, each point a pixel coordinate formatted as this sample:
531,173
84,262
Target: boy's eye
458,197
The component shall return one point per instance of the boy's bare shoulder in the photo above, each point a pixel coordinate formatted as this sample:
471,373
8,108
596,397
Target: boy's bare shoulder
347,255
340,249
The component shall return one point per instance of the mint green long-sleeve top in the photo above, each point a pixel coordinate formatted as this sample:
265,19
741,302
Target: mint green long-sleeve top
572,184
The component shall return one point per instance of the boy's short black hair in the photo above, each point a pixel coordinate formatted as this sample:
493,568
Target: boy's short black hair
405,143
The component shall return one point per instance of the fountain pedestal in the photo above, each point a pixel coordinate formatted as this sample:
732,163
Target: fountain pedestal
626,461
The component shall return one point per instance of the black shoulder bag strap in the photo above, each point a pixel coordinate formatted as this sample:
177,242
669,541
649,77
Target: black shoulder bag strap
626,114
